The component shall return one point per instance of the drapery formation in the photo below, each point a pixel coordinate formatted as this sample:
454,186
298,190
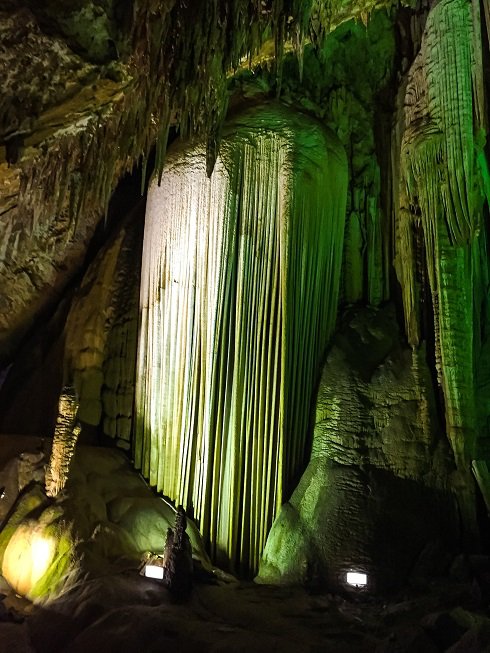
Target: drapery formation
239,292
440,235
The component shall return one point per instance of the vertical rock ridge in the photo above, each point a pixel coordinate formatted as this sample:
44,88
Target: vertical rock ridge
239,293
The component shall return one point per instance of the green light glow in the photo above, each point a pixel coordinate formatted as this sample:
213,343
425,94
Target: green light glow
239,295
443,181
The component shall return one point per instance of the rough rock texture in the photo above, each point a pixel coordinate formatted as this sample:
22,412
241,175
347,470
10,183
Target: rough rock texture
105,516
341,84
43,244
441,252
22,460
136,70
345,84
51,167
65,439
379,468
90,341
101,333
41,71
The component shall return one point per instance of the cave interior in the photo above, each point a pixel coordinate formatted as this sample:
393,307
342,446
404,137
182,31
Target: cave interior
245,325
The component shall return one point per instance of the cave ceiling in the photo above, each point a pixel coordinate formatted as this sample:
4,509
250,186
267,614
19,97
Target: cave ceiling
89,88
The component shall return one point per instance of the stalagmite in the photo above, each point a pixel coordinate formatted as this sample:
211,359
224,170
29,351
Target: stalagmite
239,292
377,468
64,441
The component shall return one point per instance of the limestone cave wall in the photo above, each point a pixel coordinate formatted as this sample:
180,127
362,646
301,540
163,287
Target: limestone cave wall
93,90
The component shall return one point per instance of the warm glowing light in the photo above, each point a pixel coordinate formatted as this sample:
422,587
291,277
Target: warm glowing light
27,558
154,571
356,579
42,549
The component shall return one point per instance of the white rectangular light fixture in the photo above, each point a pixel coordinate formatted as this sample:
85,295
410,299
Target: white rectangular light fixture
154,571
357,579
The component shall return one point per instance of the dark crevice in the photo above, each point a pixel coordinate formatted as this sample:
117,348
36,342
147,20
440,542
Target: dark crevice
41,348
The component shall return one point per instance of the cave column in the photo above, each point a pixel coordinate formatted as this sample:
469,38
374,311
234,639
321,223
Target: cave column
240,284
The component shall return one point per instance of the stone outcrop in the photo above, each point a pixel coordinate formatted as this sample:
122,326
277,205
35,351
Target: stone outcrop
106,518
379,469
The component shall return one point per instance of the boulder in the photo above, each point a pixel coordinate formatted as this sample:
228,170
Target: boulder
372,498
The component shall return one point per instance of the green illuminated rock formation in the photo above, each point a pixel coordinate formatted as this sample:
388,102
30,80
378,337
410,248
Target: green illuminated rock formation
441,239
378,468
325,158
240,281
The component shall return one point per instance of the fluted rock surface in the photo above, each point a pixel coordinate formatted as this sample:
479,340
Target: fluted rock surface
240,281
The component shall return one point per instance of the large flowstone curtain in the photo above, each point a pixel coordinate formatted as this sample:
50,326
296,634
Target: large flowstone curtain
239,295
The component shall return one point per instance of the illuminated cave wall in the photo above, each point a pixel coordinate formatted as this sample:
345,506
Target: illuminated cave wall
239,293
416,207
441,229
405,92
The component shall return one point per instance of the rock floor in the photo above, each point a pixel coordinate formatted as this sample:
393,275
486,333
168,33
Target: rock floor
127,612
114,609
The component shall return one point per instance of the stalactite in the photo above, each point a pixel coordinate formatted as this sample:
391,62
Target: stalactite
239,294
101,334
173,69
448,37
376,445
65,439
439,175
406,272
177,72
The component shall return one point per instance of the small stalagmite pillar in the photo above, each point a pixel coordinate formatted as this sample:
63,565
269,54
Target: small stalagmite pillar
65,439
